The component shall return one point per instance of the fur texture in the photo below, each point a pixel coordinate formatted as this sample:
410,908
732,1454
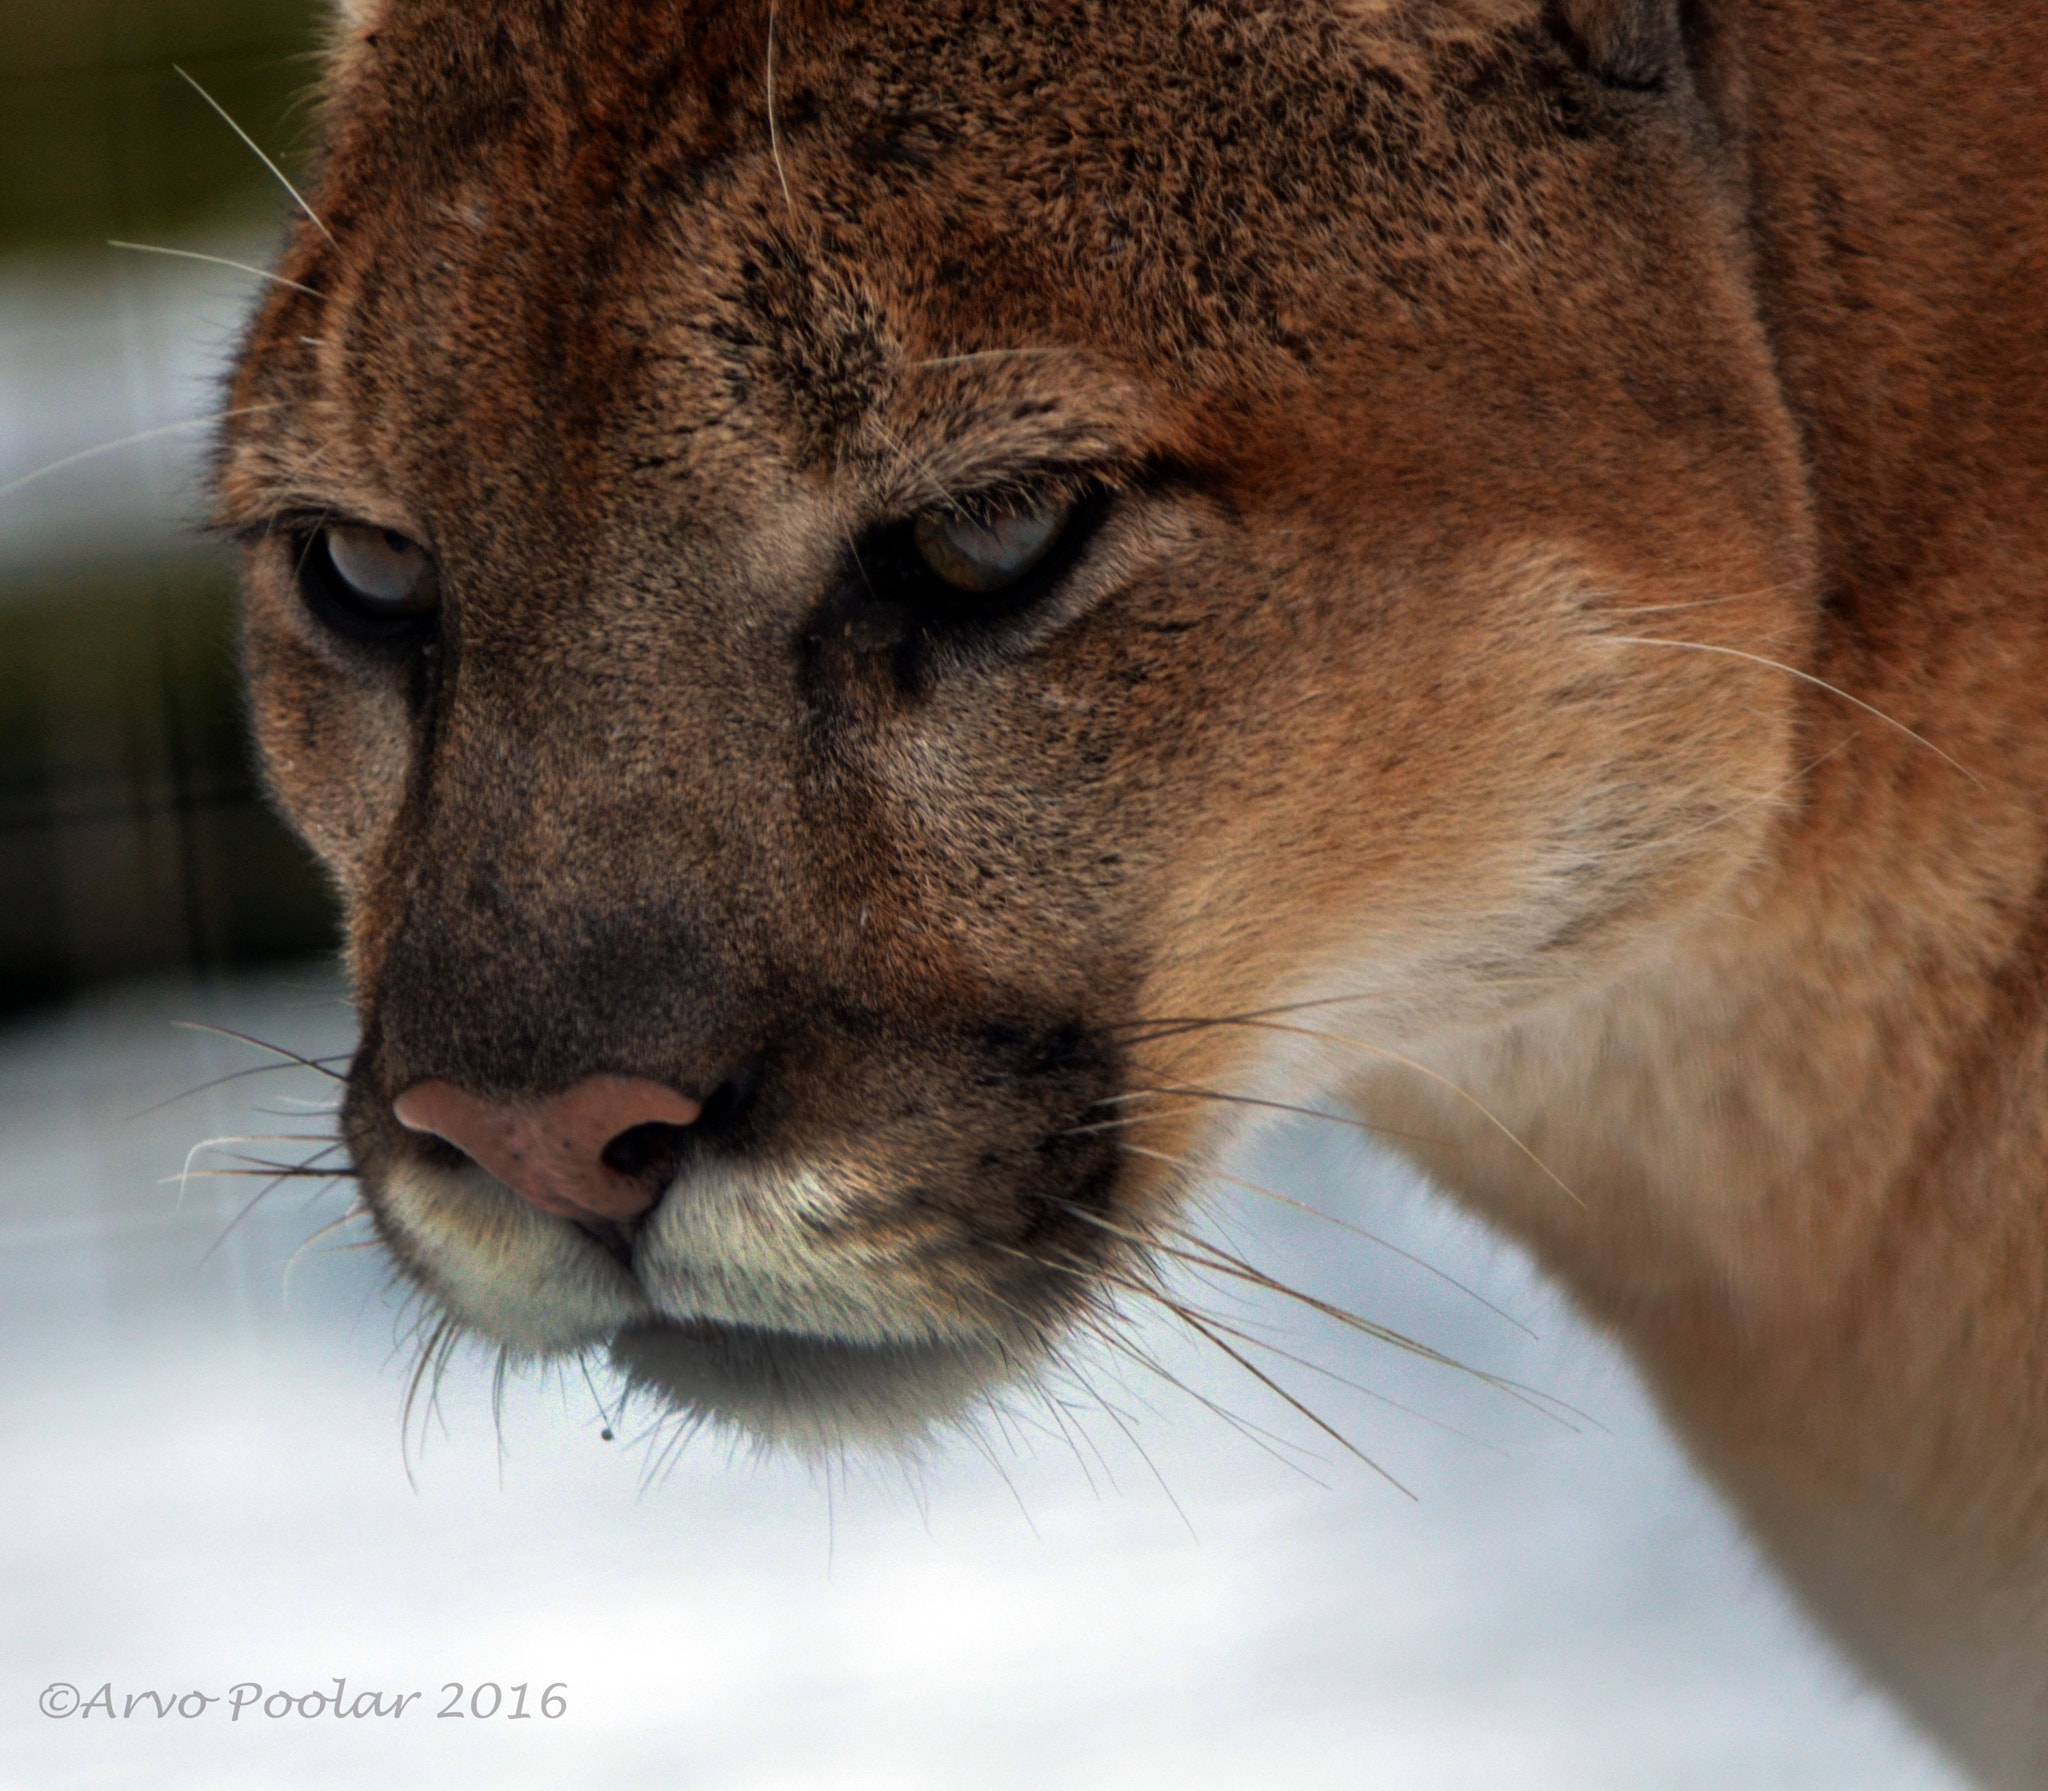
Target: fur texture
1560,597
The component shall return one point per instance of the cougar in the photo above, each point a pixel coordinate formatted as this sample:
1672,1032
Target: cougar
890,618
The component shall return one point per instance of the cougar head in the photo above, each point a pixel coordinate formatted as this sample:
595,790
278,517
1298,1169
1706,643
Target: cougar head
859,598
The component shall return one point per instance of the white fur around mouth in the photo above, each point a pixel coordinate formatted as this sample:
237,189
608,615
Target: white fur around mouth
732,1321
503,1269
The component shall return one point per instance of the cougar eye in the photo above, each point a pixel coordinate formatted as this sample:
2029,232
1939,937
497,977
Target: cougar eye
369,583
380,570
983,556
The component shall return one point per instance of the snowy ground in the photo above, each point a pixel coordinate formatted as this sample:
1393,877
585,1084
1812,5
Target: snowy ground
205,1487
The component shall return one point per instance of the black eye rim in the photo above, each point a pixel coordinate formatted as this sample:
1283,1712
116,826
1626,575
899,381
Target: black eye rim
888,566
339,607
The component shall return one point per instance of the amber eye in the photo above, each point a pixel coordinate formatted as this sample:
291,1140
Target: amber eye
379,573
980,556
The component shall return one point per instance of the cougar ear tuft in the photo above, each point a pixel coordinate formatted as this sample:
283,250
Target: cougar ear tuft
1635,44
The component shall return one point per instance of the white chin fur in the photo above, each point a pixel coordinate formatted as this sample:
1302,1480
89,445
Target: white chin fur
506,1271
738,1247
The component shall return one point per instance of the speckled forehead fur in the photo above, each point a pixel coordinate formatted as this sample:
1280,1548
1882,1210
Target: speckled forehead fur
1230,197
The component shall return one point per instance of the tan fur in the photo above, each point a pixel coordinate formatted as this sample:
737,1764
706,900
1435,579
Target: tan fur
1562,662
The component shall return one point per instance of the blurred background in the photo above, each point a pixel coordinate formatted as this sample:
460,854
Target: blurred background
131,836
208,1480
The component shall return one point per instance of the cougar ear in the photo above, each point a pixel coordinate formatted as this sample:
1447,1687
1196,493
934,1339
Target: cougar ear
1637,44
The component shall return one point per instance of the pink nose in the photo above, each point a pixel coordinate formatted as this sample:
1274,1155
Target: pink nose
569,1155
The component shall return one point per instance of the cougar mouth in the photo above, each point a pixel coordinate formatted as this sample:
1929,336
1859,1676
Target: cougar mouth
721,1312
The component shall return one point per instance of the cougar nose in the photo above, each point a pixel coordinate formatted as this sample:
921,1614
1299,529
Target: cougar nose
602,1149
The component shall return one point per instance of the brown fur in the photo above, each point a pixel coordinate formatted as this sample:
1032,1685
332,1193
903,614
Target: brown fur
1568,606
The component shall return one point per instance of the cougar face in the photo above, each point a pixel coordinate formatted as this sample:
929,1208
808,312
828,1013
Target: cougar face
854,595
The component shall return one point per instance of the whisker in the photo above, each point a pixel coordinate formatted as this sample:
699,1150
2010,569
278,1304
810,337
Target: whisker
775,136
1186,1315
256,149
1386,1399
278,1172
987,354
244,1038
1167,1026
1100,1323
1200,1253
240,267
261,1069
983,1447
259,1165
607,1429
270,1187
350,1217
1600,610
1202,1328
904,454
185,1173
1281,1449
1771,795
1062,1361
1069,1414
1317,1212
1792,671
1201,1324
1442,1081
1335,1119
128,441
1129,1119
433,1361
499,1370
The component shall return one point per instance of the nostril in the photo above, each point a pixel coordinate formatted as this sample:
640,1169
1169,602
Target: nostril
648,1153
729,1107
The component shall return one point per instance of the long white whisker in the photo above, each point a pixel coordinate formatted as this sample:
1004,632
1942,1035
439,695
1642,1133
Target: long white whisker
1442,1081
185,1175
240,267
257,150
1792,671
774,135
128,441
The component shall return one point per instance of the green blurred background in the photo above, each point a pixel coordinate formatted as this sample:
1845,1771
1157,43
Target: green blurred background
132,837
